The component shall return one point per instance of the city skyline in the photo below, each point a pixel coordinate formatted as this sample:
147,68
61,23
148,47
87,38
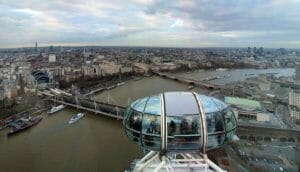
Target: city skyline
272,24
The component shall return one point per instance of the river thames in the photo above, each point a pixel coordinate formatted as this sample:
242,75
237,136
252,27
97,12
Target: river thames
95,143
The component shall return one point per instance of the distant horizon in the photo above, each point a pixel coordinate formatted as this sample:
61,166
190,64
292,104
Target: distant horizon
134,46
154,23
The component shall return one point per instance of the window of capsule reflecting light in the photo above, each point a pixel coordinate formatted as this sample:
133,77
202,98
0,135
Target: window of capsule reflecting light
143,121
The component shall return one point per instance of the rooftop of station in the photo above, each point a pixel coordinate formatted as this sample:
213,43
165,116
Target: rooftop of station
243,103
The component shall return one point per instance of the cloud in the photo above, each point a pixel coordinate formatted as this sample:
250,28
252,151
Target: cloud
27,11
177,23
145,2
187,23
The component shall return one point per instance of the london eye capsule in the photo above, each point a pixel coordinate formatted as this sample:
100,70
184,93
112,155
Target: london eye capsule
179,122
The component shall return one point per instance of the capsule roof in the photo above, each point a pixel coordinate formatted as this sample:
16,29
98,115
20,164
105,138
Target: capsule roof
177,104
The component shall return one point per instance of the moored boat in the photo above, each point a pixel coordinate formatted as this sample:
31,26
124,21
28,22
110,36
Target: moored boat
25,124
136,79
121,83
75,118
56,109
212,78
221,69
190,87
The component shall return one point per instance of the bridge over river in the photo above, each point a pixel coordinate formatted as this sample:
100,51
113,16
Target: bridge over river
189,80
84,103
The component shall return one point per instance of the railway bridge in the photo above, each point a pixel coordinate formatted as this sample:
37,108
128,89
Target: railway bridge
201,83
99,108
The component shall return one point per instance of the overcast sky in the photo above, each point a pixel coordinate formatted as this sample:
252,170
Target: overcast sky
175,23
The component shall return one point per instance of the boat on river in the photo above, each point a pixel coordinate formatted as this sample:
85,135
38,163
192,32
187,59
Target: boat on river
137,79
56,109
120,84
212,78
75,118
221,69
190,87
24,123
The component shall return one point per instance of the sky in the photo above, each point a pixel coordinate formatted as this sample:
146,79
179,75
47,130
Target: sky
168,23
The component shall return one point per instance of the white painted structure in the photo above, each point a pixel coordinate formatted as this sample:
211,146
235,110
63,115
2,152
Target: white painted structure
52,58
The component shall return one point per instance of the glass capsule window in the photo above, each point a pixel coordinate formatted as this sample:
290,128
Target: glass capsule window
134,125
142,122
151,131
230,123
183,132
215,129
